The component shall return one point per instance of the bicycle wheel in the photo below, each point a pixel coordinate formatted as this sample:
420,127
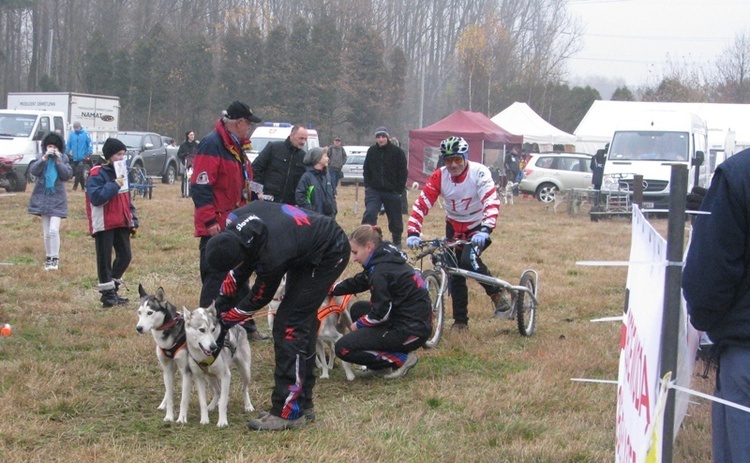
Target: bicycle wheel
432,281
525,305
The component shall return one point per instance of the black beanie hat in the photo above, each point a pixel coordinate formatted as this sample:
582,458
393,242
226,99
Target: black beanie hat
53,138
112,146
224,252
313,156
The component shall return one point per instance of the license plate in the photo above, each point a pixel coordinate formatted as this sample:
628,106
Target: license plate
648,205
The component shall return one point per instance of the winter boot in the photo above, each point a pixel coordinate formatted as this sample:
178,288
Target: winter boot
120,299
109,298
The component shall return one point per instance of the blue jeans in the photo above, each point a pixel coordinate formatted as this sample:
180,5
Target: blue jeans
391,202
731,427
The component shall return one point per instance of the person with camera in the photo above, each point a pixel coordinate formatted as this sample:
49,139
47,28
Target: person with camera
49,200
112,222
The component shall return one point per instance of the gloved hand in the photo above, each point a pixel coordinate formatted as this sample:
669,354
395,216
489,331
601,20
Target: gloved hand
234,316
133,232
330,290
695,198
480,238
413,242
229,285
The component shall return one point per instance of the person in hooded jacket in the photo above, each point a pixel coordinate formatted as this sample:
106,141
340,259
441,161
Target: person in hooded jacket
49,200
397,320
315,189
112,222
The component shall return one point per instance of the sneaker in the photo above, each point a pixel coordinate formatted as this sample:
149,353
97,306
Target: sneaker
253,333
121,299
275,423
459,327
53,264
411,360
48,263
309,414
502,304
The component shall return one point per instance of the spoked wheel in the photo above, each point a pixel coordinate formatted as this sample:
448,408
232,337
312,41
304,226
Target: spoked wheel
525,305
432,281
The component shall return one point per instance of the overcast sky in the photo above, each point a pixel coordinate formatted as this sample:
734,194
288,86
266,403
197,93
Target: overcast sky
637,39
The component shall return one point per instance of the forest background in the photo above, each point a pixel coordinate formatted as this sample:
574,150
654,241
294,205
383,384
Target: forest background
342,66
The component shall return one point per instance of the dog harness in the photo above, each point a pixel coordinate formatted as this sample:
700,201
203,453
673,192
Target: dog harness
220,342
332,307
179,343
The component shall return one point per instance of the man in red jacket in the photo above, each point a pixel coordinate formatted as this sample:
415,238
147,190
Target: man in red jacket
219,184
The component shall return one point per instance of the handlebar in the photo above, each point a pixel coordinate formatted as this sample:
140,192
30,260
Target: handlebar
434,244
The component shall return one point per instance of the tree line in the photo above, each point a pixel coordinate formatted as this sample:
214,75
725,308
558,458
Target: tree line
342,66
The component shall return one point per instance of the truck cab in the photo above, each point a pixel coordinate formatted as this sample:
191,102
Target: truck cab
21,133
649,143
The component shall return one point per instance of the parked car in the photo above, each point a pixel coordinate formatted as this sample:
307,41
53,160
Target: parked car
354,166
147,151
547,173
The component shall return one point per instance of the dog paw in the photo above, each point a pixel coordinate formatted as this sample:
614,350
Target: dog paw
169,418
222,424
350,377
181,420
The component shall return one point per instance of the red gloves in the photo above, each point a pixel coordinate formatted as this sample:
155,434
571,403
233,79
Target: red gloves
229,285
234,316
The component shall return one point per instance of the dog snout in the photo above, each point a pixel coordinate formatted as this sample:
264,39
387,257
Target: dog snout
139,329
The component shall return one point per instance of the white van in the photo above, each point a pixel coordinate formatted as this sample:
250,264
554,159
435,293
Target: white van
649,143
276,131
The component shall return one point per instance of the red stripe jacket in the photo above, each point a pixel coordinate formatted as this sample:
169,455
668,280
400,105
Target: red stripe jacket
221,178
106,207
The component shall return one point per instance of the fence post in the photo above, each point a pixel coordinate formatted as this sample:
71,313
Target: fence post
670,326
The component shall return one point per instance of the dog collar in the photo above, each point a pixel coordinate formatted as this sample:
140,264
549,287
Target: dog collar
170,324
172,351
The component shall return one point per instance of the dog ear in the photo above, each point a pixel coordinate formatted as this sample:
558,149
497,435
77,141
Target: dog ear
160,296
186,314
212,309
141,292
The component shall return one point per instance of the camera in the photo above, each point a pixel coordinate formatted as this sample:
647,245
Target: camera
51,153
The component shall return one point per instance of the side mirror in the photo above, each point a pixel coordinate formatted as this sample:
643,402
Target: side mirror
148,146
699,158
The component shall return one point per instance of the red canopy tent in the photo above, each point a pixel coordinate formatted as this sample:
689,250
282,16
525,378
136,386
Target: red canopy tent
476,128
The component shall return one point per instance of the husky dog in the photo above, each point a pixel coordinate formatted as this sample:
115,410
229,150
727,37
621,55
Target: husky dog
335,322
273,306
506,194
157,315
211,350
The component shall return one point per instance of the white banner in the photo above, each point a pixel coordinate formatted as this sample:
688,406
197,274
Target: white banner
640,339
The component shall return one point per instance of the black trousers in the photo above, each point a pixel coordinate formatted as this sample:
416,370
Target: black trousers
106,241
376,347
295,332
391,202
468,259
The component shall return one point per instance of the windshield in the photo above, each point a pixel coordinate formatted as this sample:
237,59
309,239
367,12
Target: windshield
649,146
260,143
131,141
16,125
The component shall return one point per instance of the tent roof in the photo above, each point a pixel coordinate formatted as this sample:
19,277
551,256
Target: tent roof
470,125
521,119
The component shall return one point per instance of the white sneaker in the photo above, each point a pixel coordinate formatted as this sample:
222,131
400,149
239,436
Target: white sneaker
411,360
53,264
48,263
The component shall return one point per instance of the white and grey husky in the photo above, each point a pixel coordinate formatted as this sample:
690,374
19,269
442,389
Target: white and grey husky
335,322
211,351
157,315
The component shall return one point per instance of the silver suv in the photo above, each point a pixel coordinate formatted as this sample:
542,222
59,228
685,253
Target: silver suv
547,173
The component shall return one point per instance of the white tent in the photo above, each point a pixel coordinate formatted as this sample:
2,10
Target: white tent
520,119
599,123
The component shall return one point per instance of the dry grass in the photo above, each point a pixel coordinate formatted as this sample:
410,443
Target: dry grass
79,384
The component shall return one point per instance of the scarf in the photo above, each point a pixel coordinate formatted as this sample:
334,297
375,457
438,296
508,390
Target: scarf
50,177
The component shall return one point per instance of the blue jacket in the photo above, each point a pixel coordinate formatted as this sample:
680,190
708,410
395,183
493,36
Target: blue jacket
56,204
716,277
315,192
79,144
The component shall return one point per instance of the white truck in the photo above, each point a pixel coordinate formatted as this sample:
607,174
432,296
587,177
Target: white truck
29,116
649,143
21,133
99,115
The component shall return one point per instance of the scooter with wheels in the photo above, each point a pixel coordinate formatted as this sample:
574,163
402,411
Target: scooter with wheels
9,179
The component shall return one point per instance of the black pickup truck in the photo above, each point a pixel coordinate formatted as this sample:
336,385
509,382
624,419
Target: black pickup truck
148,151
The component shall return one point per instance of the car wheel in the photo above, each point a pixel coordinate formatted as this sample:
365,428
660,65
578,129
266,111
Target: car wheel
30,178
546,192
170,175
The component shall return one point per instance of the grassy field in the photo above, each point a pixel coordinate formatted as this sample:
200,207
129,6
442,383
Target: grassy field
77,383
